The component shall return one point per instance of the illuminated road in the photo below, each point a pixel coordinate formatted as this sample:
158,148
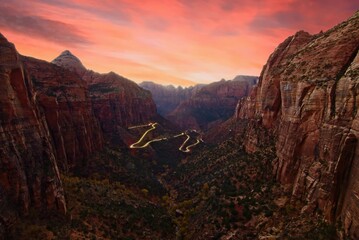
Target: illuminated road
198,140
153,127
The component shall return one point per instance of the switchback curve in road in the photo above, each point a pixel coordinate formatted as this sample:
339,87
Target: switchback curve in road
153,127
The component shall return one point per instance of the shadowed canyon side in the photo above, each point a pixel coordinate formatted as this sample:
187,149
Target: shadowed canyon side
211,104
167,98
52,119
64,99
307,97
29,175
117,102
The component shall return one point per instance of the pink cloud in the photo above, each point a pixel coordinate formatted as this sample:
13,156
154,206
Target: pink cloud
170,41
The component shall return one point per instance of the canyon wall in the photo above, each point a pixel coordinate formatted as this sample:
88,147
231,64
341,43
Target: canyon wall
29,176
307,98
167,98
54,118
212,104
65,101
117,102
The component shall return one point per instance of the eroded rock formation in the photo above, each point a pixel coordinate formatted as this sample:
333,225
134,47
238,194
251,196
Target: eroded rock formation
307,97
65,101
53,118
29,175
117,101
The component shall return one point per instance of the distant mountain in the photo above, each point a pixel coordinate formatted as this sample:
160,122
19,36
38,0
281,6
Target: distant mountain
212,103
167,98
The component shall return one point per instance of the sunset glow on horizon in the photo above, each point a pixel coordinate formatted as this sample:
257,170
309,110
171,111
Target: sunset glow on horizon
179,42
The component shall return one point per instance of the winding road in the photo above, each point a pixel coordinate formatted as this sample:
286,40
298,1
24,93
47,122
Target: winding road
153,127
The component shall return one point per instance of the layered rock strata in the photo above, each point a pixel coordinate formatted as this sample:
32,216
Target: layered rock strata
65,101
29,176
307,97
117,102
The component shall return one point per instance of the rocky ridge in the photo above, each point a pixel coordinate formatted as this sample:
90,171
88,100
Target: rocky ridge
69,61
212,104
307,97
167,98
117,101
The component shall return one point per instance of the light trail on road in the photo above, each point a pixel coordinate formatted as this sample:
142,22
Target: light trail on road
192,145
184,143
153,127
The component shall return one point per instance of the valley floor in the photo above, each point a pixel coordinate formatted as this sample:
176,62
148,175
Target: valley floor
215,192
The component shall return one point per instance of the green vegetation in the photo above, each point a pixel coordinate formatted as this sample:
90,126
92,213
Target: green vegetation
98,208
213,192
118,165
220,189
322,231
103,88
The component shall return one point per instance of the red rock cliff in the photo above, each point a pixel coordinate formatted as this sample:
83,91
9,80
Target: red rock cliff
64,98
117,101
307,97
29,176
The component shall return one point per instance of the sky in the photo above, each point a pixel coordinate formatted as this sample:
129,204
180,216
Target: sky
179,42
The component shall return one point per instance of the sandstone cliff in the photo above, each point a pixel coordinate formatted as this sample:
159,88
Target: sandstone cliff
117,101
167,98
307,97
29,175
65,101
212,104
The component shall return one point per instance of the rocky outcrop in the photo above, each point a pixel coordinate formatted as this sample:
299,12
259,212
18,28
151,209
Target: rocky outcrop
307,97
117,101
120,103
212,104
167,98
29,175
64,99
69,61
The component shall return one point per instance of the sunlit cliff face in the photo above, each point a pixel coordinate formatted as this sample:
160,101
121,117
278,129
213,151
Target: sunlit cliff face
178,42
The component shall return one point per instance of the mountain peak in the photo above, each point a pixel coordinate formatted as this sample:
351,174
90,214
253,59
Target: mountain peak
69,61
67,52
2,38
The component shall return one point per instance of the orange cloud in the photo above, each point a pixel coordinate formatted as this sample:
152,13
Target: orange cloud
171,42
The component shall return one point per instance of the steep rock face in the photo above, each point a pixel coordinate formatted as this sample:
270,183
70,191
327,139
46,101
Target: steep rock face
117,101
64,99
29,176
307,97
212,104
167,98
